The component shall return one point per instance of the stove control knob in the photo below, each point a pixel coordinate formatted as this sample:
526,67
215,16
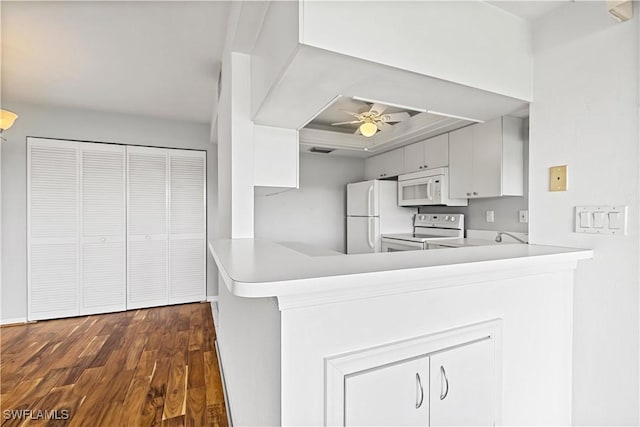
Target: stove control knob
446,218
452,219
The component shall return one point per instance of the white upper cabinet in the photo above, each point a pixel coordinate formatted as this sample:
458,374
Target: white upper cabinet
413,157
276,157
429,154
385,165
486,159
436,152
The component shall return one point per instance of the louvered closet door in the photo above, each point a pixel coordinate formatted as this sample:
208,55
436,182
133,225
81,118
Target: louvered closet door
147,227
103,254
187,226
53,228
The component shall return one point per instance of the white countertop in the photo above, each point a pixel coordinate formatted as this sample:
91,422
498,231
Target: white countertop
261,268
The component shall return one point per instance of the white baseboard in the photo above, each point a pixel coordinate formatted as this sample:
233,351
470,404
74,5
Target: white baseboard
13,321
213,298
224,385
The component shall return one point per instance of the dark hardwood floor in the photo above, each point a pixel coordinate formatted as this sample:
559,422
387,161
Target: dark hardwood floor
151,367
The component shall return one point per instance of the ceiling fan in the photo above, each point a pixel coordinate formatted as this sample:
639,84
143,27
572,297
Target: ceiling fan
373,120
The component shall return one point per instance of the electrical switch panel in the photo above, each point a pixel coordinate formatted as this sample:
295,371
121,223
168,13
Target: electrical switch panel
601,219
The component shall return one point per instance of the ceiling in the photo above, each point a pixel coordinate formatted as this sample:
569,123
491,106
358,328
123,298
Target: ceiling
528,9
158,59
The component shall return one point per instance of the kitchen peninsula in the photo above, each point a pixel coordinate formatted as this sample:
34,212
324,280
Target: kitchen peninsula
314,340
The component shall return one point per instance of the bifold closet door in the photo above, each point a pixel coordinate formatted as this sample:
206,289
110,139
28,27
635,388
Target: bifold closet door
103,251
147,227
187,226
53,215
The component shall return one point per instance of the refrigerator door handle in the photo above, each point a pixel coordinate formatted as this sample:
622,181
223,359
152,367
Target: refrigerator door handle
370,230
370,200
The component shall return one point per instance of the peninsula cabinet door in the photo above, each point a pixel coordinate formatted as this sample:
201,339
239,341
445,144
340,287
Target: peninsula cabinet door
147,227
462,385
391,395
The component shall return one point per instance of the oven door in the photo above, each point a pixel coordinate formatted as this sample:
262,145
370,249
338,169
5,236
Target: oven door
395,245
420,191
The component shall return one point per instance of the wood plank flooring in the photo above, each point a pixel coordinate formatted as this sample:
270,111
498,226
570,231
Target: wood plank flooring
151,367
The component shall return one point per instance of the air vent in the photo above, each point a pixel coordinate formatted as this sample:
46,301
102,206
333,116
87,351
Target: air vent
321,150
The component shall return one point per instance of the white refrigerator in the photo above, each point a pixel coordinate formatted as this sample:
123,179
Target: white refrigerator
372,210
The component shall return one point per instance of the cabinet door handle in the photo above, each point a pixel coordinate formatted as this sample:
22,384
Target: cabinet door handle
468,194
444,383
419,391
475,193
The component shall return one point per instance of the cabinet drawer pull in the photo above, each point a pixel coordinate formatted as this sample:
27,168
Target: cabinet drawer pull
419,391
444,383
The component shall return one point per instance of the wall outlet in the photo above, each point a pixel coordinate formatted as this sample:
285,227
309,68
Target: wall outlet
558,178
490,216
523,216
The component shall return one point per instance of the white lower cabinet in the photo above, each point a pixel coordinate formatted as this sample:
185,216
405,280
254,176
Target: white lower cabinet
393,395
441,381
462,386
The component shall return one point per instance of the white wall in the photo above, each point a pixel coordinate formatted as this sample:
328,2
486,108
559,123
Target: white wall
315,213
74,124
585,115
235,149
466,42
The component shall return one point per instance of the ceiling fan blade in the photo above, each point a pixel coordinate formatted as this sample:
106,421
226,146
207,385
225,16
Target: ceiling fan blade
383,126
357,132
345,123
351,113
378,108
395,117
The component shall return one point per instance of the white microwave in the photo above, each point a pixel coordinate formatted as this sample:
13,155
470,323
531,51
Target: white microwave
428,187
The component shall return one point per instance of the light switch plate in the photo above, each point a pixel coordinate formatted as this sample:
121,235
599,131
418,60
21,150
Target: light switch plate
601,220
558,178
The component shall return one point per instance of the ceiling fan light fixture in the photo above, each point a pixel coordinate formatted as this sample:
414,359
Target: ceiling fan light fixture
368,129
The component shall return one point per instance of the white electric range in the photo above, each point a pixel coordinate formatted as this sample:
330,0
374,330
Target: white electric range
430,231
